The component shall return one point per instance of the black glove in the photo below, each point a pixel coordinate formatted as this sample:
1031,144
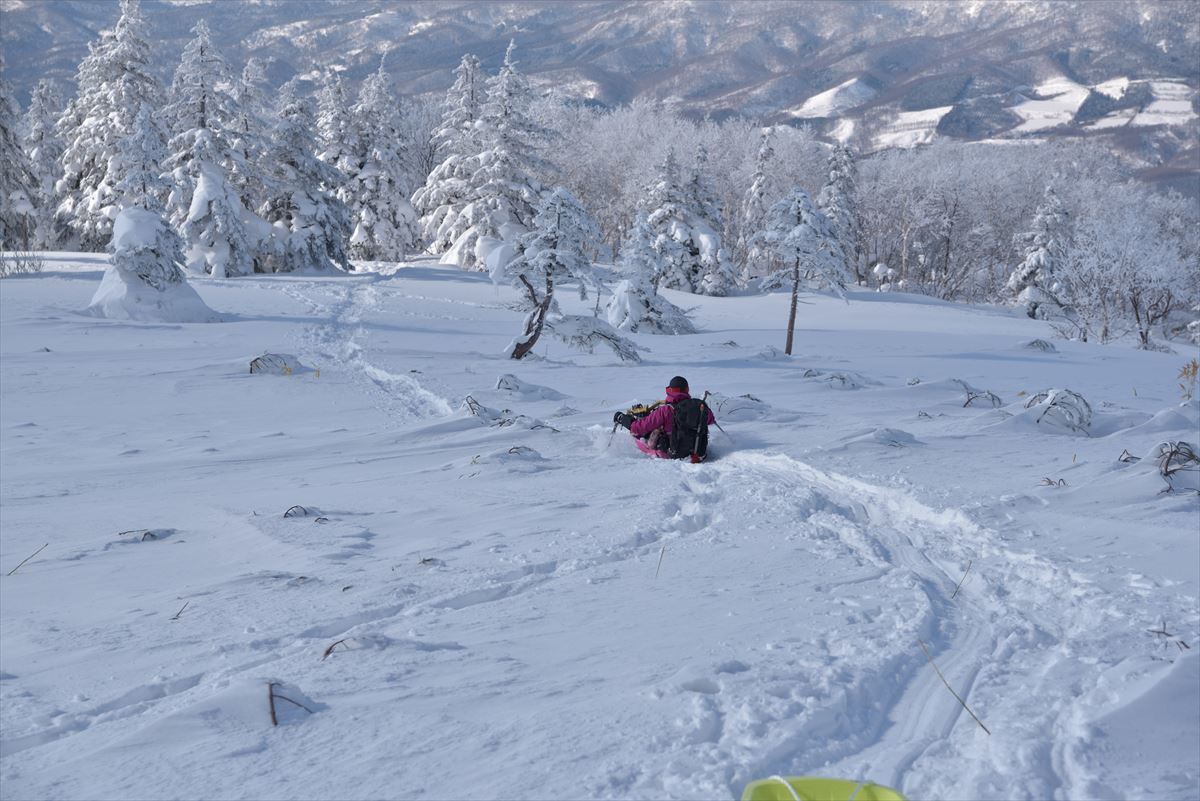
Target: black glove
622,419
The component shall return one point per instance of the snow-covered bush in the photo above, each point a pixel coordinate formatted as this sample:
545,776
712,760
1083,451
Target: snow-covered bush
1062,408
143,281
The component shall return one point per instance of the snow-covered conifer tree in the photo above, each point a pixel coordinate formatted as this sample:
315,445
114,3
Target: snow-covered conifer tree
504,190
804,242
718,276
204,204
554,251
250,127
384,222
635,304
18,188
838,201
143,280
689,248
137,166
114,81
337,133
755,261
312,226
448,189
44,148
1035,282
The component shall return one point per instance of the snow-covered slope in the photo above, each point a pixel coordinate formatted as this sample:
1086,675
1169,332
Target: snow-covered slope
513,603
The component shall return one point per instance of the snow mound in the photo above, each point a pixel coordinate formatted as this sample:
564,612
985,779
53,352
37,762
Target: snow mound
1039,344
515,386
891,437
843,380
143,282
503,418
119,298
278,364
518,458
738,407
1057,410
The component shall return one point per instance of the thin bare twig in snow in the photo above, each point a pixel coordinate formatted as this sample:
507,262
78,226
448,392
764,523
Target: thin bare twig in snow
951,689
960,581
661,554
27,558
329,650
271,695
180,612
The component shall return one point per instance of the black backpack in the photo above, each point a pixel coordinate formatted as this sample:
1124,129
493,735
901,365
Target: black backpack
689,430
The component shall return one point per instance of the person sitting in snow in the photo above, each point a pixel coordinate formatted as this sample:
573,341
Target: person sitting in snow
676,428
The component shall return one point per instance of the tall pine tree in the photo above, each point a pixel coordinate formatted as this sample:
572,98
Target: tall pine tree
17,184
205,206
755,261
114,81
1035,282
838,201
384,221
44,148
311,224
448,188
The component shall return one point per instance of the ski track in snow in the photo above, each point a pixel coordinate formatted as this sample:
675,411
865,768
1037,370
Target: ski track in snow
340,344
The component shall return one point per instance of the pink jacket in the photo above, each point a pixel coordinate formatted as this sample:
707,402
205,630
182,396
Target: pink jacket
662,418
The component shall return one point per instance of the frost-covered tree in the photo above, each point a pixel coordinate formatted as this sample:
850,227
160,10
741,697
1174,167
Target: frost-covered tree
804,242
754,260
337,134
252,123
311,225
44,148
18,186
204,205
448,187
137,166
114,81
503,189
718,275
635,304
1035,283
384,222
553,252
689,249
838,201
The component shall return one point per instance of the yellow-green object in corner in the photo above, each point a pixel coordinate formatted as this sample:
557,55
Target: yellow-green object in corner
812,788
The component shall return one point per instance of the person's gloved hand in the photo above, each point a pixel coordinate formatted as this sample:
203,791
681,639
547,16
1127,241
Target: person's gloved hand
622,419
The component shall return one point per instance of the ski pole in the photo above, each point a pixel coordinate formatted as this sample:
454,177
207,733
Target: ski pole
703,417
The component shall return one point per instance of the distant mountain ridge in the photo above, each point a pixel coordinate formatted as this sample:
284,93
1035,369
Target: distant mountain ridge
878,73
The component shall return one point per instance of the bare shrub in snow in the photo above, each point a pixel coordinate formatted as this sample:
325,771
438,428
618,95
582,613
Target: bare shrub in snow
1178,464
1062,407
19,262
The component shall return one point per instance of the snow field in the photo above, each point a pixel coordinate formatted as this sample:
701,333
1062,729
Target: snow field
524,610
